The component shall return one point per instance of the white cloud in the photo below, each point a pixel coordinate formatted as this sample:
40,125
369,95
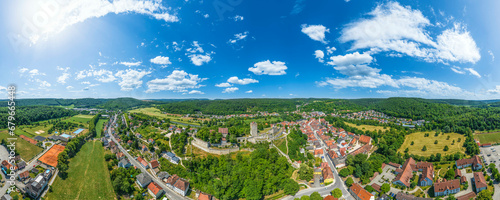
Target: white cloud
245,81
22,70
43,84
72,12
492,55
62,79
131,79
200,59
319,55
457,70
206,16
131,64
269,68
330,50
238,37
351,59
238,18
69,87
161,60
495,91
315,32
249,91
230,90
178,81
85,83
223,85
473,72
196,92
62,68
102,75
195,53
392,27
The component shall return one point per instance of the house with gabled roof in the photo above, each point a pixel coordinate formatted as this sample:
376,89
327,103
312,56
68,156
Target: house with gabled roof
143,180
155,190
143,162
427,176
446,188
479,182
405,174
181,186
359,193
474,162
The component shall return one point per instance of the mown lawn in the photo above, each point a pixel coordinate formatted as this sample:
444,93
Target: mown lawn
419,142
88,176
364,127
99,127
41,129
25,149
493,137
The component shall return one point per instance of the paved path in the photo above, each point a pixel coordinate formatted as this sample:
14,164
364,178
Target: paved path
168,192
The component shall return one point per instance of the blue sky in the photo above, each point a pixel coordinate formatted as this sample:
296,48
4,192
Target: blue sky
151,49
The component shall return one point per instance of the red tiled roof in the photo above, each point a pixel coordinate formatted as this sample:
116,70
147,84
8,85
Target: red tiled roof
330,197
474,161
406,173
154,188
181,184
361,193
364,139
479,180
318,151
376,187
154,164
447,185
467,196
25,174
204,196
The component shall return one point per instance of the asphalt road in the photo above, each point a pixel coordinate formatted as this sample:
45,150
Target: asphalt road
169,193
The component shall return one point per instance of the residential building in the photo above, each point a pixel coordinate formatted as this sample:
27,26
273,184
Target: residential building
479,182
21,165
163,176
365,139
359,193
155,190
143,162
181,186
474,162
171,181
427,176
35,186
6,197
404,196
143,180
154,164
404,176
23,176
446,188
327,174
124,163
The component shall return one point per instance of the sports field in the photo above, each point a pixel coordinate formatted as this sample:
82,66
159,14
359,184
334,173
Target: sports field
88,176
364,127
25,149
485,137
50,157
419,141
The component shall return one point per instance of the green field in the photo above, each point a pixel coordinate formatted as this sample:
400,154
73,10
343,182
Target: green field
88,176
80,119
364,127
25,149
41,129
281,144
99,127
492,137
419,142
157,113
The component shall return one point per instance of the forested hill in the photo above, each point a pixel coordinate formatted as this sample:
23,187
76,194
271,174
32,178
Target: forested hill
118,103
28,114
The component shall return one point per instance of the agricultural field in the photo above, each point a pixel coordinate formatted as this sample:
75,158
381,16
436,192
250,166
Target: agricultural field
157,113
364,127
25,149
88,176
419,141
99,127
488,137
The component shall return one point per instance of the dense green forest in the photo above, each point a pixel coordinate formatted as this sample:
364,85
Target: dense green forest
25,115
119,103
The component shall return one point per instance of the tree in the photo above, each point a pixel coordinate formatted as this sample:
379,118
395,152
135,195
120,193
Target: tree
385,188
435,142
305,173
345,172
484,195
446,148
291,187
305,197
316,196
349,182
424,148
337,193
451,197
412,143
450,174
